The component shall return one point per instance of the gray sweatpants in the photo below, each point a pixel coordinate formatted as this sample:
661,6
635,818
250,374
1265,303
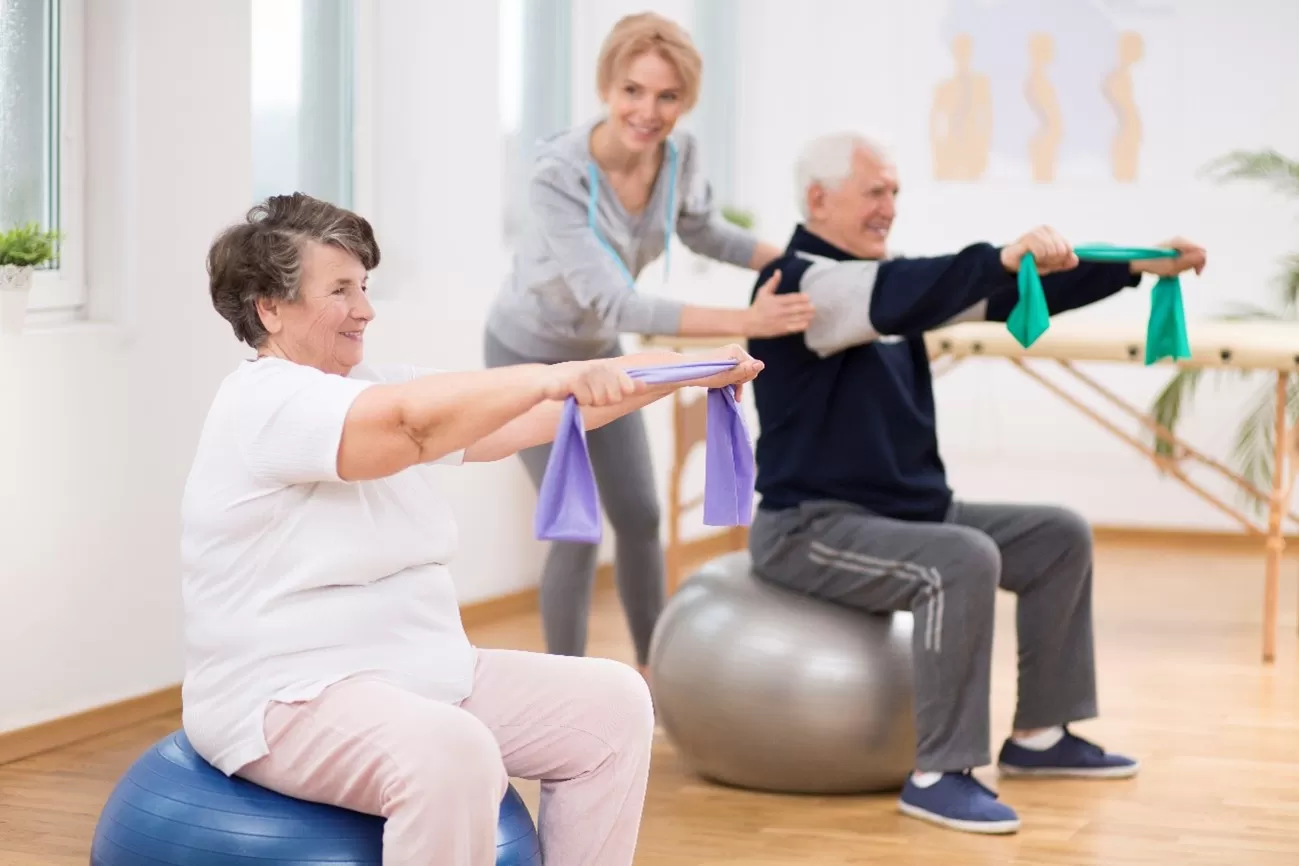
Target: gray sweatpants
947,575
624,475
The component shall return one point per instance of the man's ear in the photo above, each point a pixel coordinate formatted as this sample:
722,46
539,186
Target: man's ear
815,199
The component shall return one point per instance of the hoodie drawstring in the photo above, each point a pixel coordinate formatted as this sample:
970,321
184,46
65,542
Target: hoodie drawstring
670,221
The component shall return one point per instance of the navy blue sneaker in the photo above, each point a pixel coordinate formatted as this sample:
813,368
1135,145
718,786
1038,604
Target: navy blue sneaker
1072,756
958,801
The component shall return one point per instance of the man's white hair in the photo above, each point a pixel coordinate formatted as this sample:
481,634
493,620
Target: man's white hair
827,160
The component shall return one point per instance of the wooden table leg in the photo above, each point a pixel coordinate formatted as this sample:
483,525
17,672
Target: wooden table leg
672,555
1277,508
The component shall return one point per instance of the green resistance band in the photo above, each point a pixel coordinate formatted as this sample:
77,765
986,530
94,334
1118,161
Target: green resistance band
1165,330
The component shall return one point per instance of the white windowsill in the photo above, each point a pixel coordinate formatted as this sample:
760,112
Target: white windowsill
69,322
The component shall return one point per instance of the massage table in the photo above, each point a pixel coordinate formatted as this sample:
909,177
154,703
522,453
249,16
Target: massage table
1263,347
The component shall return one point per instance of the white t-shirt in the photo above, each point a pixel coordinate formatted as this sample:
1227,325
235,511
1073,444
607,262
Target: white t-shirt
294,579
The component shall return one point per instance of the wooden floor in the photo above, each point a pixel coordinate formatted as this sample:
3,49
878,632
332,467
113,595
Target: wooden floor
1182,688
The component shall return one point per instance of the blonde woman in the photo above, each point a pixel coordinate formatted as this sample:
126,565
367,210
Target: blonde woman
606,198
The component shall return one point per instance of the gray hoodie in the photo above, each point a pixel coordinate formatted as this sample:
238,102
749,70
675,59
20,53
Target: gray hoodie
571,291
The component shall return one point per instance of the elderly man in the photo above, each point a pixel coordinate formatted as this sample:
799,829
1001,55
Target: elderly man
855,506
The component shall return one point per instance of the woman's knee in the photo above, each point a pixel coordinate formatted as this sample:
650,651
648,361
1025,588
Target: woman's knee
456,760
619,708
624,470
634,513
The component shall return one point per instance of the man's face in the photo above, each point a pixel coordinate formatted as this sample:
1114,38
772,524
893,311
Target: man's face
857,215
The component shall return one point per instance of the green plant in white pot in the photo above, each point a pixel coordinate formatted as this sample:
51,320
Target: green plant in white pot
739,217
1253,453
735,216
23,249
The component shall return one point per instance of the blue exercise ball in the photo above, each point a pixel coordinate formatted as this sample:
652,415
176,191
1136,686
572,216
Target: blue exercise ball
173,808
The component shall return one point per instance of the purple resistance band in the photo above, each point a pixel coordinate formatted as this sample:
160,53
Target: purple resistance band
568,504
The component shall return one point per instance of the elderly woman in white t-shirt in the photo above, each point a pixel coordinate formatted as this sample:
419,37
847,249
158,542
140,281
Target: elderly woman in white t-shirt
326,659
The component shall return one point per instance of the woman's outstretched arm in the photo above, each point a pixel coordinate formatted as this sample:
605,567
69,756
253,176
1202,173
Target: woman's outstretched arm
391,427
598,285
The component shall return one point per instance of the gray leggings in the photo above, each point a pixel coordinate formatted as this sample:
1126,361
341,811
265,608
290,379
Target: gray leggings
624,474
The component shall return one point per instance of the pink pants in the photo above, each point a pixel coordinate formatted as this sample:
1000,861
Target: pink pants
438,772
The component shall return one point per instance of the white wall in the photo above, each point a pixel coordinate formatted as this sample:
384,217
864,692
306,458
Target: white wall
101,420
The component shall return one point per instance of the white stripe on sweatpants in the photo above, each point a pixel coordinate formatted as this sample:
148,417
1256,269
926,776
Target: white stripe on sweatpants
937,598
933,591
872,566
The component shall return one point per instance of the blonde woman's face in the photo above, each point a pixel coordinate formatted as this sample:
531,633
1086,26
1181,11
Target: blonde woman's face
645,102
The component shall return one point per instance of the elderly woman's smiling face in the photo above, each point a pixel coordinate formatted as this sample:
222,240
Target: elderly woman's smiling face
324,326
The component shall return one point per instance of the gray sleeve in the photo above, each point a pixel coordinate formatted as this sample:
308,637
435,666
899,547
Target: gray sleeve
841,293
558,199
700,223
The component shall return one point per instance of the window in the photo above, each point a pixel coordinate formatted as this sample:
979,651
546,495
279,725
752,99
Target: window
303,92
715,119
536,92
41,139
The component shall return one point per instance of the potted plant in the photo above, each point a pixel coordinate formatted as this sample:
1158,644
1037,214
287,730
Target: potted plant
1253,452
22,249
739,217
735,216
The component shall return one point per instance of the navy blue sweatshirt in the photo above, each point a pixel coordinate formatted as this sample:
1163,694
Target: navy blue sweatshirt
858,425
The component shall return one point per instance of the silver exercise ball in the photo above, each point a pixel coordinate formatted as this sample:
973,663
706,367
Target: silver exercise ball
759,687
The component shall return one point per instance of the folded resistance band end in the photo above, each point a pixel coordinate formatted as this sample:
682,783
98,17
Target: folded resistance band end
568,502
728,462
1030,317
1166,329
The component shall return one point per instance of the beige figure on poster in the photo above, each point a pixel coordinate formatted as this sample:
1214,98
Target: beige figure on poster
1045,144
960,121
1126,147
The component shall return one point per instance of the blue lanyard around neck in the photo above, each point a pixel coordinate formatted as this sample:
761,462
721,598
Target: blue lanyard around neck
669,221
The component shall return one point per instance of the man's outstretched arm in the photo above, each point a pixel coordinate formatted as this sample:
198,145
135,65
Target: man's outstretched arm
1095,281
859,301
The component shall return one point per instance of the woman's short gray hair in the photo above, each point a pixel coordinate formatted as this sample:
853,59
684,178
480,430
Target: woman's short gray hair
261,257
827,160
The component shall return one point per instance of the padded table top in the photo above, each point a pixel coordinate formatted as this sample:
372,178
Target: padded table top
1252,345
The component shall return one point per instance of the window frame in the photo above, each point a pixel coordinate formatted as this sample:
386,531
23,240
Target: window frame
546,103
715,120
365,25
59,293
325,113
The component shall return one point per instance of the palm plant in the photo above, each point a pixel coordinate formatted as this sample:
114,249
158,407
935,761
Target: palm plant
1253,449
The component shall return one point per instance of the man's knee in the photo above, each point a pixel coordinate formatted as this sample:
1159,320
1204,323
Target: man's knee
1069,531
974,561
960,589
968,574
